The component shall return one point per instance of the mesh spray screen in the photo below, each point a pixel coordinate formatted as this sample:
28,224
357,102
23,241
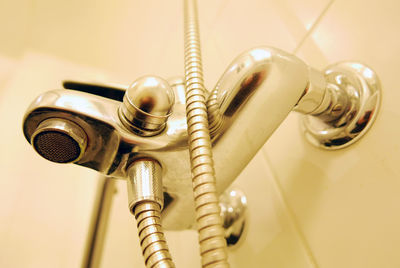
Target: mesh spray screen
56,146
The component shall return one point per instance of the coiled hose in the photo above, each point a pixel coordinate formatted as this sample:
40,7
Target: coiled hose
209,222
154,246
145,202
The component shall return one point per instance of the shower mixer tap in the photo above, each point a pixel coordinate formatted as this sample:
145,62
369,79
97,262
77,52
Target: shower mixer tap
107,128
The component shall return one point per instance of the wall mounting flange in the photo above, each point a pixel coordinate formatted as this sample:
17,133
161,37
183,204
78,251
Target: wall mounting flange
363,90
233,204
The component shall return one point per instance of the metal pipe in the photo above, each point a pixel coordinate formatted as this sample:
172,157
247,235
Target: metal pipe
99,222
252,98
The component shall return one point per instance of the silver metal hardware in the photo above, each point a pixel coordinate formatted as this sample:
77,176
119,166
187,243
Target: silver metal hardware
141,133
249,102
213,248
146,106
314,99
145,195
59,140
108,90
354,100
97,230
152,240
144,183
233,203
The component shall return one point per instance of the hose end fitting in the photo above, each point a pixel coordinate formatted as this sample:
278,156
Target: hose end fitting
145,183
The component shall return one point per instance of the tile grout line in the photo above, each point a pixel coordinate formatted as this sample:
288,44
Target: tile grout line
313,26
221,8
275,181
290,212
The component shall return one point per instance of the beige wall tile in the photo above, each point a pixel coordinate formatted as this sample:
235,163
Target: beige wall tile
271,240
121,41
44,207
346,202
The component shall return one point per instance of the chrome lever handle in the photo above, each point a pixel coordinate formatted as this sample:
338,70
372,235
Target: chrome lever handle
110,91
102,120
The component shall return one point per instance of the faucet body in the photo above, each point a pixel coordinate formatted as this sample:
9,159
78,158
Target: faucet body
249,102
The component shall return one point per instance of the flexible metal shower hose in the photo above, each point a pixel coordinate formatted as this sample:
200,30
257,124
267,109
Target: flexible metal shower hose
154,246
145,196
209,222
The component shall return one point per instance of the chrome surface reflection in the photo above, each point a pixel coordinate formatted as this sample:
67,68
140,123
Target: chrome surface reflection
233,203
71,140
356,98
254,95
146,105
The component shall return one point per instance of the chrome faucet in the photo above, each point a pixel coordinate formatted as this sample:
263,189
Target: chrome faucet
179,147
95,126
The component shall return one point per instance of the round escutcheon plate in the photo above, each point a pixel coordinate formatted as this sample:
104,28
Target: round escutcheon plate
364,95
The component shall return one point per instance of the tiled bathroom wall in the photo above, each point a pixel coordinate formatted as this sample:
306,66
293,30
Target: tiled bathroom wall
307,207
346,203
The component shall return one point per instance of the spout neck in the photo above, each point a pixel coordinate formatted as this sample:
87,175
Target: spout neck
252,98
261,85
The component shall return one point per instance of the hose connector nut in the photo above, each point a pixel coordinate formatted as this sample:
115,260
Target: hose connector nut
146,106
145,183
